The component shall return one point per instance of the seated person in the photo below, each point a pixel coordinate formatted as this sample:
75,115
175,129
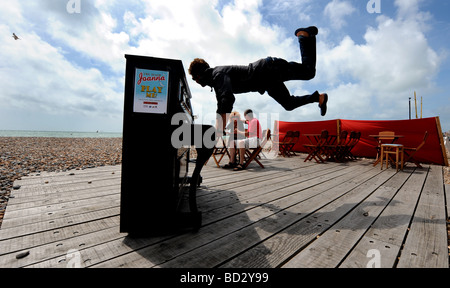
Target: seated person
237,132
253,140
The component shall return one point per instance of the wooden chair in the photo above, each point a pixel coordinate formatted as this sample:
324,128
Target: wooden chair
410,152
317,150
354,139
336,151
386,137
284,144
220,150
290,146
253,153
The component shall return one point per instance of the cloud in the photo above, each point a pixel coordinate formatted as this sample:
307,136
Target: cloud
76,61
408,8
336,11
233,34
395,60
73,64
37,77
90,33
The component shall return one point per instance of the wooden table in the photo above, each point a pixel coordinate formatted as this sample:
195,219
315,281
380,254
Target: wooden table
380,141
314,138
388,150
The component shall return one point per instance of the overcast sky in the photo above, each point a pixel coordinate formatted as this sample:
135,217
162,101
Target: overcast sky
66,73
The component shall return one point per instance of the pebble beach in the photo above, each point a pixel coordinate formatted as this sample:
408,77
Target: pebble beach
21,156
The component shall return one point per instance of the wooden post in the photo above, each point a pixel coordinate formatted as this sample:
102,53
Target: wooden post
441,140
415,103
338,130
421,106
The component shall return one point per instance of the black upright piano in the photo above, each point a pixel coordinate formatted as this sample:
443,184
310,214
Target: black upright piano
155,166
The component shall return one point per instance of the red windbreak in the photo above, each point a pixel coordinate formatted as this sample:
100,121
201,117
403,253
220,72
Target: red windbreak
412,130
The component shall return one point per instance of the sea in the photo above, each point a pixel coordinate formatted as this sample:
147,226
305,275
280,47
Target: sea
59,134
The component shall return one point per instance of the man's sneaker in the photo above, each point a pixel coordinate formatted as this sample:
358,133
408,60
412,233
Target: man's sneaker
323,104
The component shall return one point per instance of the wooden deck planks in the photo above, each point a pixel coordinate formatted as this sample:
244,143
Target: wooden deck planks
425,244
332,247
291,214
318,214
387,233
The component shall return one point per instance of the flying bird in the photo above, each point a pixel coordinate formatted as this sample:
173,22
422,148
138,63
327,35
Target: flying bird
15,37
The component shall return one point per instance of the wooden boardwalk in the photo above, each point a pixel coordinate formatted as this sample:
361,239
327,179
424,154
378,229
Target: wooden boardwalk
291,214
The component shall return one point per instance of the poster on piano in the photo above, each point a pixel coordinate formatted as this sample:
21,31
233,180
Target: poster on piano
150,91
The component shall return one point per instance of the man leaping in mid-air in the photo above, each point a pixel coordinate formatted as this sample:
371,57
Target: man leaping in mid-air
267,74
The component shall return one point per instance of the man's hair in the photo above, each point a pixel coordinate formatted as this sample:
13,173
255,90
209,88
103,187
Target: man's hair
249,112
198,66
